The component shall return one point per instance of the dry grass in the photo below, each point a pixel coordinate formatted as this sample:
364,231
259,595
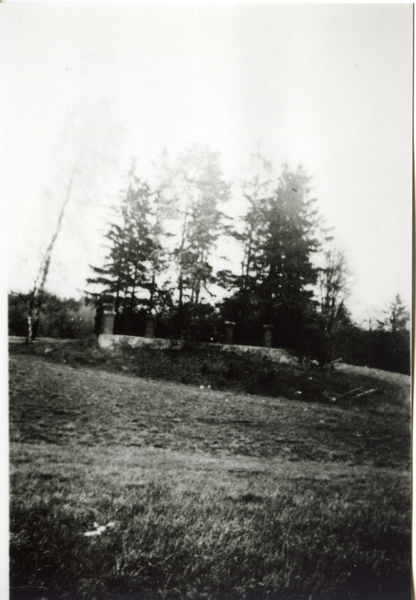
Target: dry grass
217,367
213,494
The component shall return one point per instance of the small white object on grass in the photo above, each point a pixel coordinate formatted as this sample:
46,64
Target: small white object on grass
99,529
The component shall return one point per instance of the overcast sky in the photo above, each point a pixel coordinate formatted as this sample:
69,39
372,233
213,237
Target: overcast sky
325,86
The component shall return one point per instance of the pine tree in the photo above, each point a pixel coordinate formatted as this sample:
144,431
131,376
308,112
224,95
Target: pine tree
397,317
279,237
135,258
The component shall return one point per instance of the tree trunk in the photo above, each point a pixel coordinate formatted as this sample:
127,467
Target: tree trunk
37,294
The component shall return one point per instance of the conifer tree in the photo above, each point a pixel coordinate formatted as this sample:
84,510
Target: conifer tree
135,257
397,317
279,237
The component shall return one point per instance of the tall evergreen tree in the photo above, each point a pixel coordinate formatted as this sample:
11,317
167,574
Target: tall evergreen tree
279,237
136,257
286,265
397,317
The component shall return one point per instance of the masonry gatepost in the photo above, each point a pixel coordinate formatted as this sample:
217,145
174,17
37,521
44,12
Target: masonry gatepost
229,332
106,323
267,335
150,331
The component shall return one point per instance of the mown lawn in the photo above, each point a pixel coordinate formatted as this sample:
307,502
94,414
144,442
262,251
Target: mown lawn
209,494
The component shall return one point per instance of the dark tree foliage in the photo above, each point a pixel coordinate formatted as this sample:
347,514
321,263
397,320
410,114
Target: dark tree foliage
18,313
396,317
388,347
58,318
390,351
199,322
171,232
279,237
129,277
378,349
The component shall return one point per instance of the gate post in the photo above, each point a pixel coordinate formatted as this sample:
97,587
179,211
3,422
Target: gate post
150,332
267,335
106,319
229,332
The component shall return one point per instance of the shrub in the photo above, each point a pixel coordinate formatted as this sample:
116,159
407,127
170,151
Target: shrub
59,318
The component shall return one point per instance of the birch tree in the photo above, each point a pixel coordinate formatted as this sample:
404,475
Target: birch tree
88,146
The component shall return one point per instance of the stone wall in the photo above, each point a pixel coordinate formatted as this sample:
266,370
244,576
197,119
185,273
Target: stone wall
108,341
113,342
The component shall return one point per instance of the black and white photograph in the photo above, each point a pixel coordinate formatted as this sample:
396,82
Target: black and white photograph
207,237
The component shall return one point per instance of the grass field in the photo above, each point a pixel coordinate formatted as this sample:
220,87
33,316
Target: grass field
205,493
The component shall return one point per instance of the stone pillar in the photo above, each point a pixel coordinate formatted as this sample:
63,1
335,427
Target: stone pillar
267,335
229,332
107,319
150,333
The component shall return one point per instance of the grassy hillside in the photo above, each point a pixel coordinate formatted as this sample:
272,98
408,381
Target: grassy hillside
209,493
211,365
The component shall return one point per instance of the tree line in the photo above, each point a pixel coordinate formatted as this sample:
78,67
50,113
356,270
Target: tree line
162,259
64,318
163,244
